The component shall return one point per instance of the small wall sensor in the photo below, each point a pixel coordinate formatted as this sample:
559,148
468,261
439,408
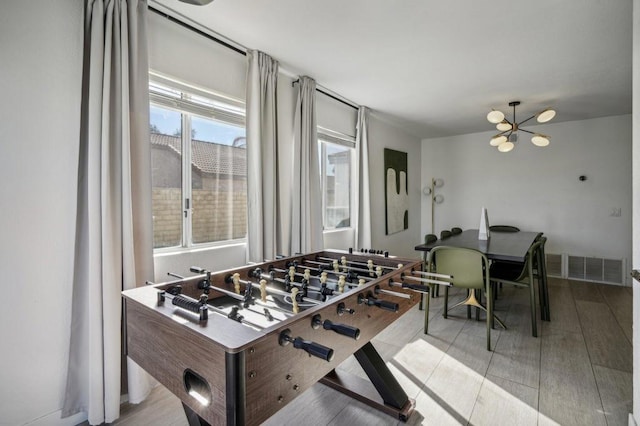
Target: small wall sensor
582,178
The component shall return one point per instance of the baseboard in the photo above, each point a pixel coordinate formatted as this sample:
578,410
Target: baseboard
54,419
632,420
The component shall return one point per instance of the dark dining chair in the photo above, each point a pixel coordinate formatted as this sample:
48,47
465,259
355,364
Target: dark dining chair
522,275
540,273
455,230
428,239
468,269
445,234
503,228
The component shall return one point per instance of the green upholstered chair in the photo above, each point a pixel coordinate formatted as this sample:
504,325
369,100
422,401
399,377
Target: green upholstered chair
445,234
468,269
456,230
522,275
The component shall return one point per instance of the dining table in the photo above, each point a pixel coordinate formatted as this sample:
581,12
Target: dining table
499,246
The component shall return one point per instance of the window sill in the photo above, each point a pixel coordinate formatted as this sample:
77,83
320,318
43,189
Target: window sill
336,230
172,251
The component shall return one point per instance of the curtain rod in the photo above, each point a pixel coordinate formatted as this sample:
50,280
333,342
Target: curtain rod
235,49
347,103
196,30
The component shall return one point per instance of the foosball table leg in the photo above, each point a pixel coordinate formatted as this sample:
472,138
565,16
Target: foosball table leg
383,392
193,418
235,393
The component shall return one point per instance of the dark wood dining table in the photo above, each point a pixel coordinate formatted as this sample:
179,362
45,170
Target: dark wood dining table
504,246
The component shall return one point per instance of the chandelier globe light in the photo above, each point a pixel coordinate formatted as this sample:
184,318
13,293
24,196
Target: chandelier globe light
505,140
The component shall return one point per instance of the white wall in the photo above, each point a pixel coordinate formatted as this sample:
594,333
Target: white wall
538,189
383,134
40,80
635,417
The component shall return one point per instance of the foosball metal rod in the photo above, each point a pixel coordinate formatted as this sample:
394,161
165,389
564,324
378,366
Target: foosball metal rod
378,290
428,280
275,308
272,290
324,291
431,274
192,305
419,288
206,279
341,267
355,263
330,271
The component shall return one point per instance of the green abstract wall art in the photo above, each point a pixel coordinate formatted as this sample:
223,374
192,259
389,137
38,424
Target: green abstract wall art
396,196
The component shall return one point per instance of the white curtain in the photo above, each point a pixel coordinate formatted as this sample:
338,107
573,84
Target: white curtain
306,217
262,158
362,214
114,237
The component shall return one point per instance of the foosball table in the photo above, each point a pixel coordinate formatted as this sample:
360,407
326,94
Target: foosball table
238,345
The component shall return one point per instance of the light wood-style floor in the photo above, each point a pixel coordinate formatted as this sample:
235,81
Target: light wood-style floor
578,372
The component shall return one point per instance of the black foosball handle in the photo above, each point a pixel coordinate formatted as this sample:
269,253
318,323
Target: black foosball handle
417,287
344,329
383,304
192,305
313,348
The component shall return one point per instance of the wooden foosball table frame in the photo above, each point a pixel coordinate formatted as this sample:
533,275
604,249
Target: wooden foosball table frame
227,372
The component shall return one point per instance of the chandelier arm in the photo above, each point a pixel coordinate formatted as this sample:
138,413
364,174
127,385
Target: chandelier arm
523,130
524,121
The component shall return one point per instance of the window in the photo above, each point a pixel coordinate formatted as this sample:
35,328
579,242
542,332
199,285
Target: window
198,159
336,168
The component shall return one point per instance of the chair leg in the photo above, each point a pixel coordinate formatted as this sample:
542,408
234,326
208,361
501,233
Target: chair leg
446,301
532,297
426,313
543,289
471,300
420,307
489,316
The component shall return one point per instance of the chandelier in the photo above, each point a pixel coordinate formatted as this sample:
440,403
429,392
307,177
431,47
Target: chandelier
509,129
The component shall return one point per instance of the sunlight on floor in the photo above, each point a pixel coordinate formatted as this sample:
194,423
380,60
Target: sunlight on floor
454,393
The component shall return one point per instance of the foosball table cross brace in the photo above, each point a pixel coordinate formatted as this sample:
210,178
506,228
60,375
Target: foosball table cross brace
382,392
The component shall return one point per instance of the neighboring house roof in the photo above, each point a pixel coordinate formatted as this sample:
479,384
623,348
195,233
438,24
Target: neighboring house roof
208,157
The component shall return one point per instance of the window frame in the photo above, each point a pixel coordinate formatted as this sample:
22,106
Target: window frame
223,109
326,135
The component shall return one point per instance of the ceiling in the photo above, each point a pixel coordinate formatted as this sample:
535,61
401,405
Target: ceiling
437,67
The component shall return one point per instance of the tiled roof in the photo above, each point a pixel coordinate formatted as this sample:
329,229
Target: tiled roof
208,157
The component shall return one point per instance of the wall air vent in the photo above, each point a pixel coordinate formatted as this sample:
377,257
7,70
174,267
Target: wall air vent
596,269
554,265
